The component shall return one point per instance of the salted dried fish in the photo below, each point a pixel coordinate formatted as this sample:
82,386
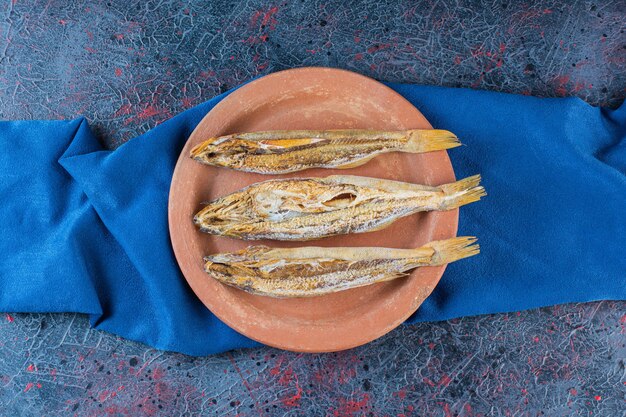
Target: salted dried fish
283,151
311,208
311,271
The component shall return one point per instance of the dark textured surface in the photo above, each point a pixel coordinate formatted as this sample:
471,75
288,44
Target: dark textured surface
127,66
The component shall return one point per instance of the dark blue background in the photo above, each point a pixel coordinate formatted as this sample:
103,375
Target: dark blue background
130,65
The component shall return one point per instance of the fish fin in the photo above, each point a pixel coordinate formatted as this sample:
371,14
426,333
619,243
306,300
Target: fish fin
450,250
462,192
428,140
390,276
272,144
357,163
390,186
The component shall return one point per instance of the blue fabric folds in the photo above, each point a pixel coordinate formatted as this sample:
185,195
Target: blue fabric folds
73,235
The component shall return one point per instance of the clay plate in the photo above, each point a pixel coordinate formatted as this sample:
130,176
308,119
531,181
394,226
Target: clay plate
310,98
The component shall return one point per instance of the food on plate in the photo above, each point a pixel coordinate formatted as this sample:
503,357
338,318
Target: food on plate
310,208
283,151
312,271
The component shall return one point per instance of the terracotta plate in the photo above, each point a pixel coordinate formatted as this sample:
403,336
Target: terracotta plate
310,98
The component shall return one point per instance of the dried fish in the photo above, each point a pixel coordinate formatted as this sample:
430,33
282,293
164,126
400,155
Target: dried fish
311,208
283,151
311,271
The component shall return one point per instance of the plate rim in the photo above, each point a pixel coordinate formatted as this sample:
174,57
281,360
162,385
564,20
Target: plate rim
225,319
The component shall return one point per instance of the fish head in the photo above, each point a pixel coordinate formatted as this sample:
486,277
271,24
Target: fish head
223,151
236,268
220,214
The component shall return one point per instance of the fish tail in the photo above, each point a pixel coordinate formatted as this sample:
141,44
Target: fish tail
428,140
450,250
462,192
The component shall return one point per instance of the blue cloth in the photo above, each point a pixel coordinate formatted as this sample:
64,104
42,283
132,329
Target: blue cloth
74,236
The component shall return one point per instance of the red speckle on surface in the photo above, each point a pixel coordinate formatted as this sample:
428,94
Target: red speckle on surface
269,17
349,408
103,395
28,386
63,22
266,18
119,36
431,346
446,410
10,318
378,47
346,375
445,380
561,81
186,102
428,382
89,35
124,110
573,391
358,57
597,398
457,60
90,50
293,401
276,369
536,339
255,17
402,393
477,51
502,47
158,373
262,66
205,75
31,368
148,112
357,39
118,72
286,377
622,320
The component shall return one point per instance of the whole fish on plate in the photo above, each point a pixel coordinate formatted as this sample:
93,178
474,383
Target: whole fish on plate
283,151
311,208
311,271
